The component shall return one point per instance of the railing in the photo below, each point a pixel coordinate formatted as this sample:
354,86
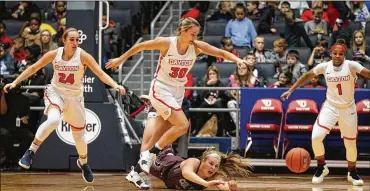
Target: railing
237,109
152,24
138,62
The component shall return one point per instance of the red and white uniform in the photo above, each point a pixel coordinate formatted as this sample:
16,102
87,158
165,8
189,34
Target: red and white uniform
340,102
167,88
66,88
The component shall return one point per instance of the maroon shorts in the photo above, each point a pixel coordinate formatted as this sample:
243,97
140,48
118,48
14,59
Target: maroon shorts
166,159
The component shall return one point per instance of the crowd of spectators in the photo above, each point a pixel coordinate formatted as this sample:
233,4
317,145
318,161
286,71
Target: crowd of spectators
280,41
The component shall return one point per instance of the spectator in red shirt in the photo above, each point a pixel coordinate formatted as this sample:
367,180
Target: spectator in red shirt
307,14
189,83
227,44
3,37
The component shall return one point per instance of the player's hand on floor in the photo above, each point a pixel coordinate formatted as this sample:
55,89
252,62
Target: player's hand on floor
121,90
214,183
285,95
233,185
9,86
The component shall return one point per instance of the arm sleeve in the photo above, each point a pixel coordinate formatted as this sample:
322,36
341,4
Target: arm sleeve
342,9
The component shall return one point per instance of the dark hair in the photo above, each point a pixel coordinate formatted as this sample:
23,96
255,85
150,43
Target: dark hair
323,43
36,19
287,74
286,3
254,2
2,23
250,54
293,53
240,6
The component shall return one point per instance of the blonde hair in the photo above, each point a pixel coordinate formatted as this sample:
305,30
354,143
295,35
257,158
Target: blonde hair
211,68
65,34
354,45
230,163
185,24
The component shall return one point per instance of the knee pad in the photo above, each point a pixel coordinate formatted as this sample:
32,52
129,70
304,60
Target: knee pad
351,150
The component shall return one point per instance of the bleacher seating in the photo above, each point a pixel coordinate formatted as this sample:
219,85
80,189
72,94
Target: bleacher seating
215,28
269,40
121,16
225,69
13,27
266,70
199,69
213,40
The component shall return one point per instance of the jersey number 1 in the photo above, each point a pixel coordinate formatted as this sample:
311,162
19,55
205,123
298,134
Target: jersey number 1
178,72
63,78
339,87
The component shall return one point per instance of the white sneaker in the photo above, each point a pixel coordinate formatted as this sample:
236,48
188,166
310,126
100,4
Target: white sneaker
355,179
137,180
321,172
146,161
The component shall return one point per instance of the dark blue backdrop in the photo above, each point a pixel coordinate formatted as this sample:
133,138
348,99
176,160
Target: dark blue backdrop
251,95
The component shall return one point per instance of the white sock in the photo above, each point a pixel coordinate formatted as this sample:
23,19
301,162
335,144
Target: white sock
34,147
82,160
158,147
144,153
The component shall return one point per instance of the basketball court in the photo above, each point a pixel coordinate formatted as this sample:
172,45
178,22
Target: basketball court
105,181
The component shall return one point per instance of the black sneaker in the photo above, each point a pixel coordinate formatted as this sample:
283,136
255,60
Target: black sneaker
87,174
354,178
26,160
321,172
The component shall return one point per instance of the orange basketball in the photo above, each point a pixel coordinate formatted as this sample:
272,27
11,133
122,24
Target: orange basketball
298,160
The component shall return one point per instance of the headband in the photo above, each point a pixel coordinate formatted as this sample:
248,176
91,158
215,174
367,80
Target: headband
339,46
214,155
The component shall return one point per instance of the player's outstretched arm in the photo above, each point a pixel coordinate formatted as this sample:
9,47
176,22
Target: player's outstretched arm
300,82
159,43
44,60
188,169
232,185
206,48
89,61
365,72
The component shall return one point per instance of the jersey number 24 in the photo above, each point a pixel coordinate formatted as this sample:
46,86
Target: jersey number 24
63,78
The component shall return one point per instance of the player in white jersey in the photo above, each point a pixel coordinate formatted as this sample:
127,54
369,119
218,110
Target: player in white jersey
64,96
340,76
177,56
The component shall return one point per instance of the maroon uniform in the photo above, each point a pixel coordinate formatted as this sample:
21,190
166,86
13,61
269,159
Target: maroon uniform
167,168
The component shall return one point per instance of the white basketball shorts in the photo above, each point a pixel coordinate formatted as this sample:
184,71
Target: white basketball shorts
165,98
346,117
71,107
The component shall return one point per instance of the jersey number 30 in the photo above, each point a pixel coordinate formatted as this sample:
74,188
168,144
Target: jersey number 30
178,72
63,78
